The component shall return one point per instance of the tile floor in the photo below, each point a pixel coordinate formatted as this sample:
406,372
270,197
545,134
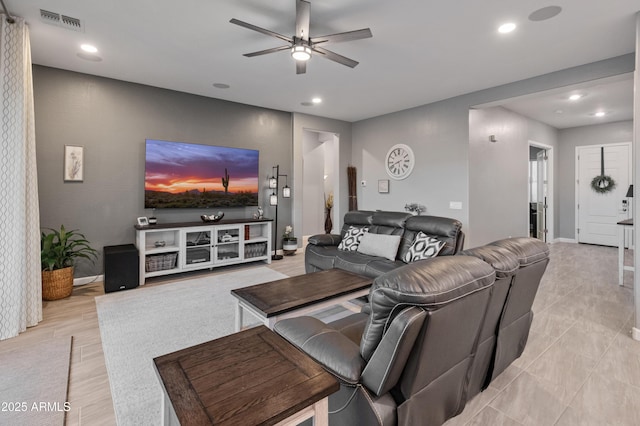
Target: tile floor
580,366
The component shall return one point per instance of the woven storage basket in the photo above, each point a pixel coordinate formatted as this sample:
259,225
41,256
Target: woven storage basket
57,284
160,262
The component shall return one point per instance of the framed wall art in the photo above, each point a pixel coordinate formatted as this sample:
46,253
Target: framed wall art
383,186
73,163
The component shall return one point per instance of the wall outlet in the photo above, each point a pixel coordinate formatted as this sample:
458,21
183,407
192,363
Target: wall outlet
363,183
455,205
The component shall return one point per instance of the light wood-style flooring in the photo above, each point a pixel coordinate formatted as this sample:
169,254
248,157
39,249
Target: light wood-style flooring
89,391
580,366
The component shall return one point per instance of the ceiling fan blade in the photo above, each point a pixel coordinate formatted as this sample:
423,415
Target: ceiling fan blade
261,30
303,10
264,52
301,67
335,57
340,37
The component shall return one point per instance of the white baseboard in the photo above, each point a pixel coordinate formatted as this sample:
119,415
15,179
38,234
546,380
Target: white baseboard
635,333
565,240
87,280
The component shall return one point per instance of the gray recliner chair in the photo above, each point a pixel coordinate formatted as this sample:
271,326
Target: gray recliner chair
506,265
515,321
409,365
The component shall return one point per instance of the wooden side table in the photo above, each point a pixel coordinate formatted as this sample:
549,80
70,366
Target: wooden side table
254,377
624,225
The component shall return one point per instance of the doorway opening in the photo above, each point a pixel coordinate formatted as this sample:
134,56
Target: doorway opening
320,154
540,207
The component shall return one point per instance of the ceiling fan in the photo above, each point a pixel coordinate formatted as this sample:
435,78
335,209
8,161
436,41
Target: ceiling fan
301,45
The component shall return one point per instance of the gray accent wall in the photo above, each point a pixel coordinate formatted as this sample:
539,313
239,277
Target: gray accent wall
621,131
439,135
112,119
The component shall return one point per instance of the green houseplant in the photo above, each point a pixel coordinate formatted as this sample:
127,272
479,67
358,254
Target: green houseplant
58,251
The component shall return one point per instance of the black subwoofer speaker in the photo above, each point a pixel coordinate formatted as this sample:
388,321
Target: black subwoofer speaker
120,267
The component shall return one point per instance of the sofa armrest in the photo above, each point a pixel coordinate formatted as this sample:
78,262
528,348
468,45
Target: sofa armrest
331,349
388,361
325,239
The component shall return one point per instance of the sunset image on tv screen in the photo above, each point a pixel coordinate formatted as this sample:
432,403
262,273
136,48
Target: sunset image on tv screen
186,175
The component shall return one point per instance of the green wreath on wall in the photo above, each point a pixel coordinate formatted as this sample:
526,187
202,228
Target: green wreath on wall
602,183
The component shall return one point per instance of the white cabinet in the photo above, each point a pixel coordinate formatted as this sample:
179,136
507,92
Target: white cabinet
181,247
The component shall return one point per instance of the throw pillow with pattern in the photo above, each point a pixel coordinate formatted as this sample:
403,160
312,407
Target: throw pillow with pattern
352,237
423,247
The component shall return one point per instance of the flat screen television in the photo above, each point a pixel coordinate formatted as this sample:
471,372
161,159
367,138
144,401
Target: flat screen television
187,175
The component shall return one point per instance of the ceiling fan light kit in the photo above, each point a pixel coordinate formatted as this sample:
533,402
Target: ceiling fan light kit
301,45
301,52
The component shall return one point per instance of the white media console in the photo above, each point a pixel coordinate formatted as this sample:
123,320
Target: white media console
180,247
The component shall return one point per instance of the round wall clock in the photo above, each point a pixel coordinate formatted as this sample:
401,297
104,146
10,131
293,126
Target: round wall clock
399,161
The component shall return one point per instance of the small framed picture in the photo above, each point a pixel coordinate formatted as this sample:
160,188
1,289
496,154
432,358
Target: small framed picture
73,163
143,221
383,186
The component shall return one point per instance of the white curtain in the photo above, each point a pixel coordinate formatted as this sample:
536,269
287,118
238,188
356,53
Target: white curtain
20,282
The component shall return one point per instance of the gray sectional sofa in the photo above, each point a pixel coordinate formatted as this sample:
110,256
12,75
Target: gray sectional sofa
322,252
433,336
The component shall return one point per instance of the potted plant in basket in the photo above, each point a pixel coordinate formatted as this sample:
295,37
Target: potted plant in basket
58,251
289,242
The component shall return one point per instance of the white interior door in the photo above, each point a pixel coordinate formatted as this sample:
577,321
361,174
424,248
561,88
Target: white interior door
598,213
541,204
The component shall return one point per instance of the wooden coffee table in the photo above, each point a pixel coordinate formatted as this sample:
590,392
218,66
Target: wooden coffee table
291,297
254,377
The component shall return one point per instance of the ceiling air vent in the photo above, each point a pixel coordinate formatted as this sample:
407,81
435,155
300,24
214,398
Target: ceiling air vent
59,20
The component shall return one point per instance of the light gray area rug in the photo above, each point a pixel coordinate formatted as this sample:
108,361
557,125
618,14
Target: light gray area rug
34,382
139,325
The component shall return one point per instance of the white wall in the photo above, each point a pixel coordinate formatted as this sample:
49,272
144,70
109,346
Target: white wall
301,123
569,139
313,182
636,180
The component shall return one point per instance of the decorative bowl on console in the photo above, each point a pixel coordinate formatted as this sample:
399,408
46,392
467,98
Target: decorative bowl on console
212,218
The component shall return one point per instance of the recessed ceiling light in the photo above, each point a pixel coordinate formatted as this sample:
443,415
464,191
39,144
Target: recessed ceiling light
545,13
89,48
221,86
575,97
600,114
316,100
506,28
558,111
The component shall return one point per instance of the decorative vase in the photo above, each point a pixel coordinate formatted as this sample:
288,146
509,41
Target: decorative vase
289,246
57,284
328,224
